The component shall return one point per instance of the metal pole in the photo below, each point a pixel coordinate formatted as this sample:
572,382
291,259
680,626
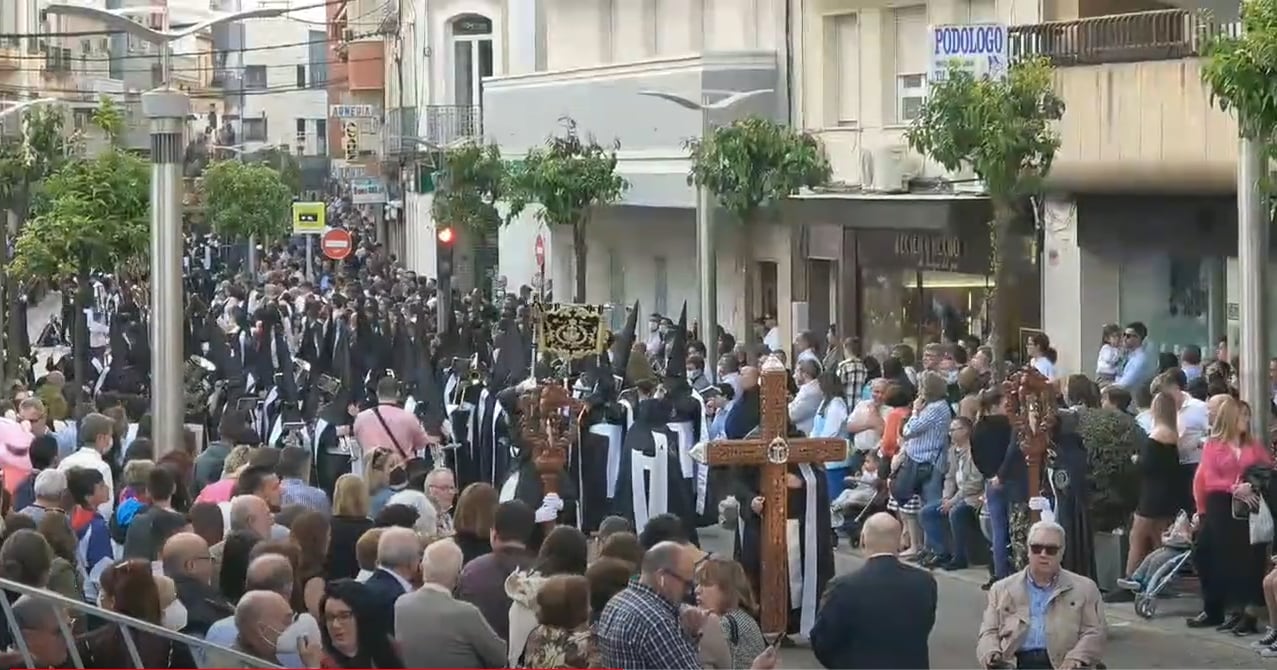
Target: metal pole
1252,267
310,258
707,267
167,110
1216,304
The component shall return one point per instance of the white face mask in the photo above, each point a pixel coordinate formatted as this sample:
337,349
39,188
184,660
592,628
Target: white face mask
174,616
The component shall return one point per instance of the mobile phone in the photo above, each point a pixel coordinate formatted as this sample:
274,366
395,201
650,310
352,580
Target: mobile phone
294,425
246,404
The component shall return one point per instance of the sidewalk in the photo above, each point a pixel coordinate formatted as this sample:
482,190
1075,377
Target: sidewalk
1169,620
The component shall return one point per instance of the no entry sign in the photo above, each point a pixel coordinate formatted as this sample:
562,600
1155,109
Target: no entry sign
336,243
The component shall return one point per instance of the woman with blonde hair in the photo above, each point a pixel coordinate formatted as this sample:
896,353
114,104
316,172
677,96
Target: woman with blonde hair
1229,566
221,490
1158,466
350,520
723,588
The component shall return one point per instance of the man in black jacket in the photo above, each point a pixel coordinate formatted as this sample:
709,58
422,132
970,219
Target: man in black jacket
854,629
187,562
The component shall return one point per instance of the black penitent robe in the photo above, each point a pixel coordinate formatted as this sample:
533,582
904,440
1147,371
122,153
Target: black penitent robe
1069,496
638,465
494,433
813,536
525,484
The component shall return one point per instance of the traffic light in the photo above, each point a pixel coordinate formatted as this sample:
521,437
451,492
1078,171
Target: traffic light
446,238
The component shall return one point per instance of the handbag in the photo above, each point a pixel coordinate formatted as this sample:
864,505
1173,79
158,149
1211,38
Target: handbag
1261,524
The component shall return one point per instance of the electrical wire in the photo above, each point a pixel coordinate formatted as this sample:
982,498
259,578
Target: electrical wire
136,95
92,33
104,59
308,64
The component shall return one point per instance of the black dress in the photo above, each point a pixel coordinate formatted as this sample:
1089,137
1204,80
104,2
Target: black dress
1159,476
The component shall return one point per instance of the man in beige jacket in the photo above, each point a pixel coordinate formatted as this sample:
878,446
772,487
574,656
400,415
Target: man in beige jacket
1043,616
434,629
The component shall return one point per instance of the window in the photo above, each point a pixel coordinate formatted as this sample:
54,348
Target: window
982,11
301,131
254,129
911,61
842,70
660,285
255,77
301,76
472,57
321,136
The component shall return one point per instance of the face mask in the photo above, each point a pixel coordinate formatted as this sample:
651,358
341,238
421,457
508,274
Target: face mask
174,616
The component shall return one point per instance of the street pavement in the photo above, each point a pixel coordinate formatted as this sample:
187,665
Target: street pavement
1163,642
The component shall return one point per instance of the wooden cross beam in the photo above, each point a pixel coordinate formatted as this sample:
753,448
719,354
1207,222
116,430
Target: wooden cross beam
773,450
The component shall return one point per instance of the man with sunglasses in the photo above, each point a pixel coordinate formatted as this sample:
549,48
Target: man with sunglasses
1138,369
1044,616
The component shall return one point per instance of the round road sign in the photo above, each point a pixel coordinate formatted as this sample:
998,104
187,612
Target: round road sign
336,243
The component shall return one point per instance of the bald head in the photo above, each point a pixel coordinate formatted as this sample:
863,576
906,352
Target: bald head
669,567
261,613
250,513
270,572
181,552
881,534
398,548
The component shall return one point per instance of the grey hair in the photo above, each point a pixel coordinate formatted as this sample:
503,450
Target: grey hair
933,384
398,548
249,609
270,572
32,614
434,474
50,484
441,563
242,509
1047,526
662,557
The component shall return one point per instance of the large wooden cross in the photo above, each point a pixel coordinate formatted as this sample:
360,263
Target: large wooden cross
1030,400
773,450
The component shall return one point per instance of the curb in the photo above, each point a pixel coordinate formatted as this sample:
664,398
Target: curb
1121,613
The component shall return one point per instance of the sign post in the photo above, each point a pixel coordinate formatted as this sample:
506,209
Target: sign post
982,49
309,220
539,250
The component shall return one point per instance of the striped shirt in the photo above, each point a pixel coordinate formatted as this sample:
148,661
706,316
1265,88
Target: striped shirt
926,433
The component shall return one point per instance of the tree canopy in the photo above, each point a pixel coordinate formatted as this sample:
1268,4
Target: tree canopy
569,177
753,163
474,180
290,171
1003,129
37,148
246,199
93,215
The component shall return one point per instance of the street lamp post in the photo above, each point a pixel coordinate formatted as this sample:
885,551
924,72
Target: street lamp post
706,256
167,109
7,112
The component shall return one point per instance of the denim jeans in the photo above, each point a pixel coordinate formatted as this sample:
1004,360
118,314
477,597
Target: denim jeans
933,523
1000,520
933,488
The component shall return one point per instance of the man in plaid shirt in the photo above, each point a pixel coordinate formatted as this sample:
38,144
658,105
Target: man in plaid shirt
852,371
645,626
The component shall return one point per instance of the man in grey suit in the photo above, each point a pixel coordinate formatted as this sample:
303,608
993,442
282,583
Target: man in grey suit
803,408
438,631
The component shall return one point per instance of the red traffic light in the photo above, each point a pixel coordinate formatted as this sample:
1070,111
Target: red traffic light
446,235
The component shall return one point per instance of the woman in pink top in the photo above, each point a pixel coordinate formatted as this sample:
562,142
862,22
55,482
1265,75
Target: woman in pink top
220,491
1231,569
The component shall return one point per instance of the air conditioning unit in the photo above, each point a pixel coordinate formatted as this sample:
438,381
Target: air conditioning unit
886,169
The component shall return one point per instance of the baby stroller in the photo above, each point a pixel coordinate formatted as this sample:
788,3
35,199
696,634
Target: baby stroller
847,516
1158,573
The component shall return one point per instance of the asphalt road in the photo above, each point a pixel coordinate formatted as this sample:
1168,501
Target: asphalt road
1163,642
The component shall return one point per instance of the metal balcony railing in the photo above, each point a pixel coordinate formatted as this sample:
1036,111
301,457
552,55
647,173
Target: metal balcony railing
444,125
128,626
1121,38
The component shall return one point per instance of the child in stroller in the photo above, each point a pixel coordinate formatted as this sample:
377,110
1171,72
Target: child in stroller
863,495
1158,570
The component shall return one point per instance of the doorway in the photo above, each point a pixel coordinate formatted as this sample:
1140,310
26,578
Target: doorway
820,295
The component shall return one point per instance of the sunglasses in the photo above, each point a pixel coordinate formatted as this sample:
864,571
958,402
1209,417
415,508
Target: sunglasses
1048,549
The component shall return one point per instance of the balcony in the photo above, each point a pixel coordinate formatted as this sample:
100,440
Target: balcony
11,57
520,111
1138,116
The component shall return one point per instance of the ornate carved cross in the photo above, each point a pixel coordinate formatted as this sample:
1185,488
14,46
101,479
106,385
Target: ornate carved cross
548,430
1030,402
772,450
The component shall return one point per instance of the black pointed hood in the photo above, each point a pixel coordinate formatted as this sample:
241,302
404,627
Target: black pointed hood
676,352
625,345
511,364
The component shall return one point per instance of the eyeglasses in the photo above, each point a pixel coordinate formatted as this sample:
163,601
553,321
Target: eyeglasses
339,617
1048,549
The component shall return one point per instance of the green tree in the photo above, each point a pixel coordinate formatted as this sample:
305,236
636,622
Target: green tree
290,171
1241,73
474,180
92,215
749,166
37,147
1003,130
246,199
570,176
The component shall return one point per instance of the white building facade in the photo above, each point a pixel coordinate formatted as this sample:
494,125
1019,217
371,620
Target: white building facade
285,103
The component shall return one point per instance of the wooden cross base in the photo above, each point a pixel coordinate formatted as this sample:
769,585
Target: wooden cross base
773,451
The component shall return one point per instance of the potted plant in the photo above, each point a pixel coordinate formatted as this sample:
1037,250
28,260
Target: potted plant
1111,438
